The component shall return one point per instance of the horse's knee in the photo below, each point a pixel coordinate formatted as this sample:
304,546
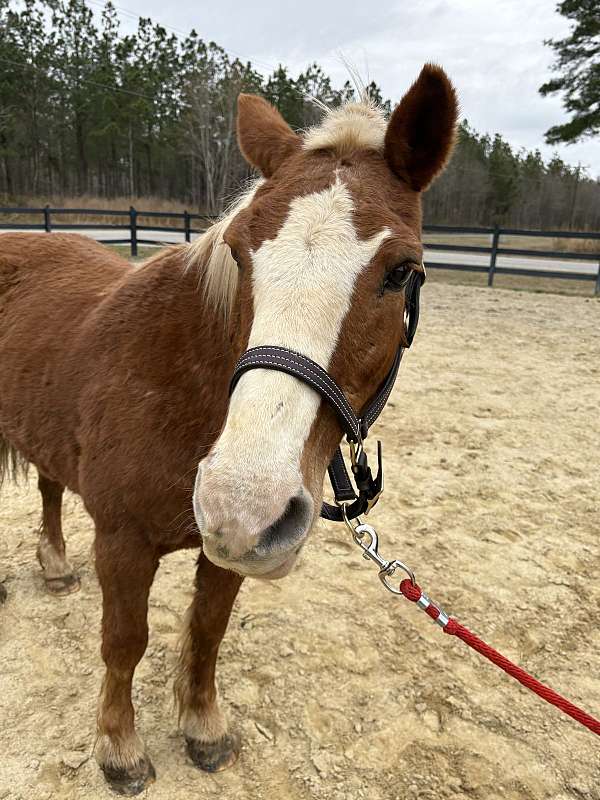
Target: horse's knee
123,648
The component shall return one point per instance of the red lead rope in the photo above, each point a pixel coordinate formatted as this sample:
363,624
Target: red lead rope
413,593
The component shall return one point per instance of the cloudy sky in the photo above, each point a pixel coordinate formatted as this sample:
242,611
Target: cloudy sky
492,49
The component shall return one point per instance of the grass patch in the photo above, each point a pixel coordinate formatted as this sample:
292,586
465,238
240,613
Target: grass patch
520,283
143,251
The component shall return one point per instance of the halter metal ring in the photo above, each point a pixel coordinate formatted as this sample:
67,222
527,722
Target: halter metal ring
344,507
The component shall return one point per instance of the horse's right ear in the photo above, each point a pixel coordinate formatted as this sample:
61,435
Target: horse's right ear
265,138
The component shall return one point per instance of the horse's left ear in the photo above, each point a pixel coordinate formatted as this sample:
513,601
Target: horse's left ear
265,138
421,132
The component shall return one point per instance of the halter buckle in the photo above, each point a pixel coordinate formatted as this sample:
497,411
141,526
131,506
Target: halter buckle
369,487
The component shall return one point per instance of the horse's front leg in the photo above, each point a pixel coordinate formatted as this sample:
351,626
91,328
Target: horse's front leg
126,563
209,743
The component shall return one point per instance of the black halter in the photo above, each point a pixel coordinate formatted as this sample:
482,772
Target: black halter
356,427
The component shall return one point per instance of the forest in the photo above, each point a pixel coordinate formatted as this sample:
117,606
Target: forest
87,109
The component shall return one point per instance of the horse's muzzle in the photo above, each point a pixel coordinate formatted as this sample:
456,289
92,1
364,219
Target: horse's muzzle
233,537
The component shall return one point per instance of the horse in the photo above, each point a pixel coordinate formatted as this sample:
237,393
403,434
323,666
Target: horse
115,382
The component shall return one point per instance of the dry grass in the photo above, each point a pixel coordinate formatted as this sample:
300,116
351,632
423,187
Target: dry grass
578,245
520,283
540,244
465,239
143,252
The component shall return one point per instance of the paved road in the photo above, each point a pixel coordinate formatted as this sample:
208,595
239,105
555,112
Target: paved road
431,256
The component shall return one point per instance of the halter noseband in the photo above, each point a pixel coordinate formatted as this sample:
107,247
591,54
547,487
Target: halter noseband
355,427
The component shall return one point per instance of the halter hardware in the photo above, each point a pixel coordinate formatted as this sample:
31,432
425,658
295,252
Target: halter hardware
371,487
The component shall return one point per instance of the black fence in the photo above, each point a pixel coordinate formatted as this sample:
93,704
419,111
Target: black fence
135,236
495,249
131,225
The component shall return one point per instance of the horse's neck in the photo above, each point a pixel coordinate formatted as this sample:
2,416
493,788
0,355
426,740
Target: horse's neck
174,326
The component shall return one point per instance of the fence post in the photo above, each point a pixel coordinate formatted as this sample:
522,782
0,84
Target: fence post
597,289
133,230
494,253
187,226
47,223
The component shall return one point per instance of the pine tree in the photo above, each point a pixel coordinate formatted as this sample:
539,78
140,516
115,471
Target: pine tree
578,62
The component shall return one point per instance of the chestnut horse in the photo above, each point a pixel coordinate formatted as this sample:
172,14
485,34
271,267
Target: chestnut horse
115,381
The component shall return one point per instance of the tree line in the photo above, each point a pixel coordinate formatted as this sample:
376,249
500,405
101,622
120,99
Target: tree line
88,109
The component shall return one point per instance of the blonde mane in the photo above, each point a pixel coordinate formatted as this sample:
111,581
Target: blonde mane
354,125
211,255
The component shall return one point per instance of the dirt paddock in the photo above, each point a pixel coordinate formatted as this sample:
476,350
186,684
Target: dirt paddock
341,691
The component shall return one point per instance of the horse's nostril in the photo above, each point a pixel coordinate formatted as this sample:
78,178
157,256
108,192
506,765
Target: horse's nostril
289,529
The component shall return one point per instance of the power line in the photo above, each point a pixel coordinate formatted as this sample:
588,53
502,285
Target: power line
26,65
133,15
137,17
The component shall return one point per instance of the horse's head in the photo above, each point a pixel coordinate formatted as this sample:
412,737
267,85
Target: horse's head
324,247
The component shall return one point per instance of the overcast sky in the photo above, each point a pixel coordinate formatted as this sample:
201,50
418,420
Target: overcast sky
492,49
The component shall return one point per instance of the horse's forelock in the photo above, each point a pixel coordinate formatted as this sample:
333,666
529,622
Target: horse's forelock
352,126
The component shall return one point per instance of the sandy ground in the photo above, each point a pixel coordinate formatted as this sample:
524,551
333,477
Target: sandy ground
340,690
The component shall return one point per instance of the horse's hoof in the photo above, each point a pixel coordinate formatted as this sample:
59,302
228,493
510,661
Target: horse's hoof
64,585
2,593
129,782
214,756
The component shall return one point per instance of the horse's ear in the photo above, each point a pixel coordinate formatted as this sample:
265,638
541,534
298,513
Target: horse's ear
265,138
422,130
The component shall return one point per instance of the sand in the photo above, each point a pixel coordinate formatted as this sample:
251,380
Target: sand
340,690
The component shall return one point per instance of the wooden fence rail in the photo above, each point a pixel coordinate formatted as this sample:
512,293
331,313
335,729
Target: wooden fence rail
493,250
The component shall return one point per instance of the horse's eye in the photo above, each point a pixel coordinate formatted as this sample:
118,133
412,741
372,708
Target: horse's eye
235,256
397,278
